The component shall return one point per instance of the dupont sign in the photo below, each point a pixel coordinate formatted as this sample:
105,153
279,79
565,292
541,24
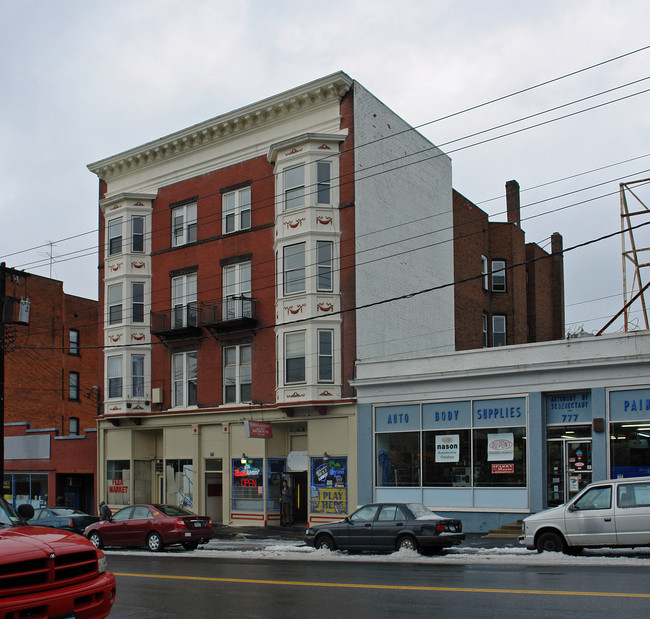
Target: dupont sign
500,447
258,429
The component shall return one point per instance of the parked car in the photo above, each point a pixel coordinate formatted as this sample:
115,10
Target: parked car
153,526
614,512
388,527
46,572
62,518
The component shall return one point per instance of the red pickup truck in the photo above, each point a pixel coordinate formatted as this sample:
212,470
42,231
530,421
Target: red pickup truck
50,572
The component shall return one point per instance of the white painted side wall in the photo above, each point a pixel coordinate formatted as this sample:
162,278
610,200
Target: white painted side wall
404,231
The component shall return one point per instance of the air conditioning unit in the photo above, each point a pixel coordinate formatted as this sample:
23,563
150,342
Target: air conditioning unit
157,395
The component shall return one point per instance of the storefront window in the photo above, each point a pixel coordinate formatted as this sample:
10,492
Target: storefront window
26,488
447,458
248,484
276,471
500,457
329,482
179,482
118,481
398,459
630,451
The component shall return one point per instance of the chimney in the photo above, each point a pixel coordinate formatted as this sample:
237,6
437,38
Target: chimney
557,284
512,202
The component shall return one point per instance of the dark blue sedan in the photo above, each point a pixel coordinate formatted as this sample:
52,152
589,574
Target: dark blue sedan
62,518
388,527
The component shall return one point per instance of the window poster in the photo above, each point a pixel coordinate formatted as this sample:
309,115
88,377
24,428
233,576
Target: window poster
501,447
447,447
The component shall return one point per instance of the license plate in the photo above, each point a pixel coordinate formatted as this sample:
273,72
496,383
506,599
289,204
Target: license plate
188,534
197,525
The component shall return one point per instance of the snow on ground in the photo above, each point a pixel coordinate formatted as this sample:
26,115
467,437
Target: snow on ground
284,550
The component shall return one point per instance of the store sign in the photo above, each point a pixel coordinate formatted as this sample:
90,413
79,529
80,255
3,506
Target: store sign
568,408
330,501
258,429
632,405
503,468
117,486
500,447
447,447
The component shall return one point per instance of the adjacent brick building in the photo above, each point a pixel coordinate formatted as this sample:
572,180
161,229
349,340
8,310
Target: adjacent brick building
246,264
507,291
52,387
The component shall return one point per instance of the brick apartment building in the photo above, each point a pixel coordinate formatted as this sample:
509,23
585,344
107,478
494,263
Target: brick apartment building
246,264
51,387
507,291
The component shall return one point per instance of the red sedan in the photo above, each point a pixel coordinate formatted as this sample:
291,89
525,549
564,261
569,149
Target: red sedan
153,526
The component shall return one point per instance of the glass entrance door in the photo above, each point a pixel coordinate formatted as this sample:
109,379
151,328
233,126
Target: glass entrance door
568,469
578,455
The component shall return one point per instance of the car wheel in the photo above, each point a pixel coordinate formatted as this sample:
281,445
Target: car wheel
154,542
549,542
96,539
406,542
325,542
191,545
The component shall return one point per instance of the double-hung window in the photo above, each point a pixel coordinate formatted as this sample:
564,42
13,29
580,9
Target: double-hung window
294,187
237,374
137,376
484,273
115,377
498,330
184,307
498,276
324,265
184,376
237,291
137,302
137,234
237,210
294,357
73,386
323,182
184,224
115,236
325,356
485,331
115,304
73,342
294,268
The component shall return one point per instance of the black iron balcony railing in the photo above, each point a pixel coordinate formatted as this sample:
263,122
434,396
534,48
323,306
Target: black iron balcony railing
228,313
177,321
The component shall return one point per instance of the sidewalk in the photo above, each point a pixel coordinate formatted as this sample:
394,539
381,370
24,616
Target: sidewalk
296,534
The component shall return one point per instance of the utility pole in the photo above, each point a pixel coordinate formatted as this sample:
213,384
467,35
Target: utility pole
7,317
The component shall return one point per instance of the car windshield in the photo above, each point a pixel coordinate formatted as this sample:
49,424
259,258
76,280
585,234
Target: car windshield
172,510
8,517
421,512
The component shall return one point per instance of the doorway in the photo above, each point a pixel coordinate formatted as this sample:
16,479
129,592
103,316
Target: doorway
298,481
568,468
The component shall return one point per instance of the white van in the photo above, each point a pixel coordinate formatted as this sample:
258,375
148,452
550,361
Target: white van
614,512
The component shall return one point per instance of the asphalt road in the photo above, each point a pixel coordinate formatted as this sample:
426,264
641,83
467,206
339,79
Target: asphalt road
168,586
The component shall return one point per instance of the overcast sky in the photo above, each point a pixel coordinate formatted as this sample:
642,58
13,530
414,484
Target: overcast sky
82,81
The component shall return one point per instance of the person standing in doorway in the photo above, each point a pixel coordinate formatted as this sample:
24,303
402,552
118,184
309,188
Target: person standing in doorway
286,505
